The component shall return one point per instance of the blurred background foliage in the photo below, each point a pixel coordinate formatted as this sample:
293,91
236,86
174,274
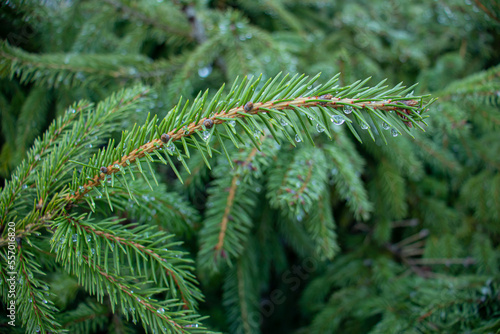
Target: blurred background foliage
411,231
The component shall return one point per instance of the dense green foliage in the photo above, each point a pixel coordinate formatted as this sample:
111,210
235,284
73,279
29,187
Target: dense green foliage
299,213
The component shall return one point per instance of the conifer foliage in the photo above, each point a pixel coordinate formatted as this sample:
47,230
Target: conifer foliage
167,171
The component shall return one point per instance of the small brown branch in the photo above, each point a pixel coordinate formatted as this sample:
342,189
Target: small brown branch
225,217
305,183
403,223
86,318
230,200
418,236
486,10
427,261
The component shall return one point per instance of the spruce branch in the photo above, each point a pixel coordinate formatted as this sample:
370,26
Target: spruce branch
86,318
321,227
109,236
84,248
232,200
348,183
81,127
37,313
481,87
55,70
240,293
8,197
294,186
243,104
151,15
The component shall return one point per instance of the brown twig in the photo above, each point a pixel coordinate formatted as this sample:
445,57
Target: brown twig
486,10
230,200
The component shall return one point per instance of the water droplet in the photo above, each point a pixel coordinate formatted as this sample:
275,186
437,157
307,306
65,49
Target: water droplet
205,71
385,126
89,238
364,126
337,119
30,300
45,301
205,135
283,122
297,138
24,186
132,71
319,128
138,299
161,310
75,237
171,147
232,123
394,132
347,109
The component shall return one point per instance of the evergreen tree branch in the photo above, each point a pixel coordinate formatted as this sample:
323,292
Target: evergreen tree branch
240,293
70,137
86,318
231,203
36,312
194,123
113,235
321,227
295,186
150,17
51,136
54,70
89,260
